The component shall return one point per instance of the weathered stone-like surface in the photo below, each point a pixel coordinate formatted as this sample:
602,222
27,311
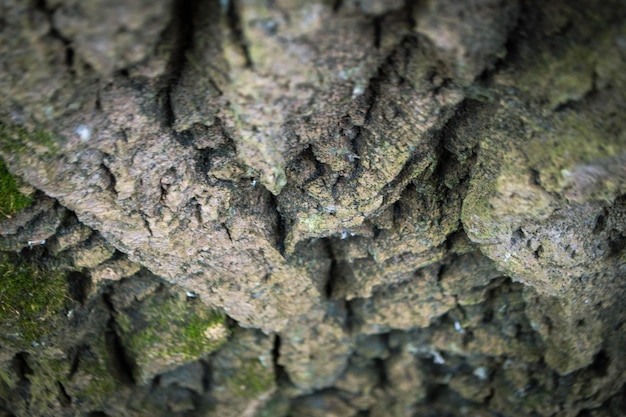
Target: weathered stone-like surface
292,208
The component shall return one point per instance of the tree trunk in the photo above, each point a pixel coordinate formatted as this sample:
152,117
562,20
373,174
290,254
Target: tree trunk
284,208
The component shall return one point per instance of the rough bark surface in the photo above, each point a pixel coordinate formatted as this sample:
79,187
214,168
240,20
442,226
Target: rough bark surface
313,208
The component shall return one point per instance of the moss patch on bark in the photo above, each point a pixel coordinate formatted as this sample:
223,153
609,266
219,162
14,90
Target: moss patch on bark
11,199
30,297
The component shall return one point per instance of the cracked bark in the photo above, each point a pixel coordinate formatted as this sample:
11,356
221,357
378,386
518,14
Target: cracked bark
400,207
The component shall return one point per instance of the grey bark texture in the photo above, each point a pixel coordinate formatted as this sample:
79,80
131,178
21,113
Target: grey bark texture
313,208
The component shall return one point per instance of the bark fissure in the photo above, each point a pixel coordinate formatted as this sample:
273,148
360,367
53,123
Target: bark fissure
146,223
281,376
337,5
121,362
333,273
43,7
402,208
64,399
22,369
181,38
227,230
235,24
378,21
109,178
281,225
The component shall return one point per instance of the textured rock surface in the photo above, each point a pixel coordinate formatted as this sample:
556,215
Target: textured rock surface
281,208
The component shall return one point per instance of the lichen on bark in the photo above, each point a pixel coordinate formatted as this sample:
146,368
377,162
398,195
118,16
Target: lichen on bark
306,208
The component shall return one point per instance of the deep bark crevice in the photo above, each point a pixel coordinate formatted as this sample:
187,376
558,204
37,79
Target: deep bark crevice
351,317
109,178
43,7
185,137
121,362
206,375
337,4
357,142
64,399
306,156
428,148
21,368
97,414
227,230
280,229
281,376
74,354
235,24
381,372
146,223
378,21
332,277
80,286
180,31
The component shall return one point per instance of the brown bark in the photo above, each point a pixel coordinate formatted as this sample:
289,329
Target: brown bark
401,208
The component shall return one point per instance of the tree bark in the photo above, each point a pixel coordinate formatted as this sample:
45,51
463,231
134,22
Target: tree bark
282,208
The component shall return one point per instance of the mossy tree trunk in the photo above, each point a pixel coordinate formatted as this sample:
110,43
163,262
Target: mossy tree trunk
284,208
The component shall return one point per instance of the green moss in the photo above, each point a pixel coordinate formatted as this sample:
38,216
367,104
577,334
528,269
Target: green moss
5,379
169,331
477,210
17,140
95,381
11,199
252,380
7,383
557,78
30,297
101,384
44,388
195,337
574,139
176,332
46,373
